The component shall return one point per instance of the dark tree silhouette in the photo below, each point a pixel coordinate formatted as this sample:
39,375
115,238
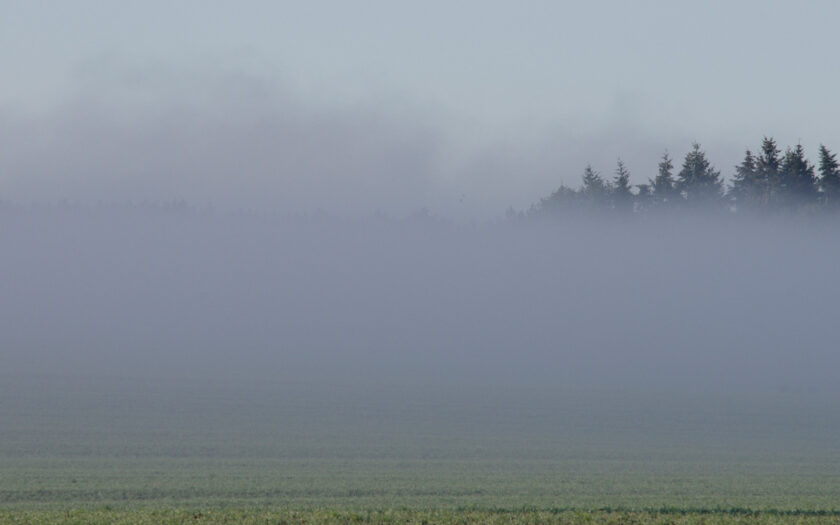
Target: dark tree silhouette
563,200
698,181
746,190
595,190
798,183
829,178
764,182
767,173
663,188
622,196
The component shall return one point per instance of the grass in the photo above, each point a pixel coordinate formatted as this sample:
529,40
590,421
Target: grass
412,516
369,483
128,452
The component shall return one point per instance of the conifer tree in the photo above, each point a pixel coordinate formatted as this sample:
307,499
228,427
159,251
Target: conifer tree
829,178
764,181
622,195
663,187
698,181
595,190
746,188
798,183
767,172
563,200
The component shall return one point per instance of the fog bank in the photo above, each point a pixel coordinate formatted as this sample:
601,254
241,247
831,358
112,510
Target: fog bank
662,303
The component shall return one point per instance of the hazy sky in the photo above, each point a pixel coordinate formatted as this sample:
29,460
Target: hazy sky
464,107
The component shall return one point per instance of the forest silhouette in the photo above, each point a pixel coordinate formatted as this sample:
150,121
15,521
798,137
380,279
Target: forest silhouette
767,181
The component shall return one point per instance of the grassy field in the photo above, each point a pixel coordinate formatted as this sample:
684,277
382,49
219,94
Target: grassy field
123,451
410,516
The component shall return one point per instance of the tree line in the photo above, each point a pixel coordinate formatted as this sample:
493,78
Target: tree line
768,180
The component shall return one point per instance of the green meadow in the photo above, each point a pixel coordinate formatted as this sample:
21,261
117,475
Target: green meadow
129,451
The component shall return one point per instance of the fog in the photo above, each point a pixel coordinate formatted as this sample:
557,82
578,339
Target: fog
238,138
333,255
665,303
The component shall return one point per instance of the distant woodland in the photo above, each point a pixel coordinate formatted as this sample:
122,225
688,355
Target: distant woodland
766,181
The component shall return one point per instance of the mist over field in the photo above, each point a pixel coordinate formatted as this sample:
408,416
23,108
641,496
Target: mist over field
450,262
674,303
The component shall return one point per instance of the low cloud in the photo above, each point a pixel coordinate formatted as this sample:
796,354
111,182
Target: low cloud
238,140
234,141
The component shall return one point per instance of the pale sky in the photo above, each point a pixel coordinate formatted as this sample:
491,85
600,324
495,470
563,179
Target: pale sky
462,107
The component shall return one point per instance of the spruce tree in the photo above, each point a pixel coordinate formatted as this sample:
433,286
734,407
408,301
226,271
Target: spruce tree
663,187
746,188
829,178
698,181
595,189
563,200
798,183
622,196
767,173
